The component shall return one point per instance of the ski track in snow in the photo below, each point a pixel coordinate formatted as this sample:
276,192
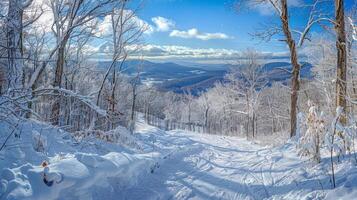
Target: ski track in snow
200,166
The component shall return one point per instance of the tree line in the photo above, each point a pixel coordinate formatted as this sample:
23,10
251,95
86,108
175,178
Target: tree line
47,71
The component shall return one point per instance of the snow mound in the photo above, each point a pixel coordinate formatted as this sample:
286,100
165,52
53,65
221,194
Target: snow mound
44,162
78,176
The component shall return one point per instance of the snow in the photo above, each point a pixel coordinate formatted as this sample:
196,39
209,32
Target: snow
157,164
354,28
84,99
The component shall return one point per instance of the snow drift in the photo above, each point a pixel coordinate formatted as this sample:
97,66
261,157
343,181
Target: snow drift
74,170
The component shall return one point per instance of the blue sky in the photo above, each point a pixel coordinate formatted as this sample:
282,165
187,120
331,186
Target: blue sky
212,30
209,16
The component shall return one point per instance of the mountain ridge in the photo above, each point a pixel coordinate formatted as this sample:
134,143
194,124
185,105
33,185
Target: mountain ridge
170,76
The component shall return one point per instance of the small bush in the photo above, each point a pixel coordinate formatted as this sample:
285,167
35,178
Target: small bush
311,141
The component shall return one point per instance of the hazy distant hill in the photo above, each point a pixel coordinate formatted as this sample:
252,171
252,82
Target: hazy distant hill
279,71
178,78
161,71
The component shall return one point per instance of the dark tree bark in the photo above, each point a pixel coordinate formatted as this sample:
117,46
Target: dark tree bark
295,78
341,84
58,82
112,98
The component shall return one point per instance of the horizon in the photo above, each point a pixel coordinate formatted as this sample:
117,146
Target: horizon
217,33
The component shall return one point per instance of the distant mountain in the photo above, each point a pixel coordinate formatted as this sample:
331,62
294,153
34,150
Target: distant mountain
179,78
194,83
153,70
279,71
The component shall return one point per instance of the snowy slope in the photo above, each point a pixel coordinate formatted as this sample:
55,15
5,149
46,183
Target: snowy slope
92,169
163,165
201,166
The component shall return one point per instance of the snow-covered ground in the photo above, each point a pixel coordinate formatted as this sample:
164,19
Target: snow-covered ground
154,164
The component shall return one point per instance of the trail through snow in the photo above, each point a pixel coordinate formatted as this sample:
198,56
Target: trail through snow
168,165
200,166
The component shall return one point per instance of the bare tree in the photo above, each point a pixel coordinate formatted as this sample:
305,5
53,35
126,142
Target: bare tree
3,53
247,80
134,84
341,79
189,98
69,18
284,16
14,36
206,109
124,38
281,9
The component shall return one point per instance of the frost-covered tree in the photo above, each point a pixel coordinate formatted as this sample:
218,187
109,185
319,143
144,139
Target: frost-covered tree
122,38
321,54
273,110
14,35
311,141
340,139
70,18
3,50
247,80
293,37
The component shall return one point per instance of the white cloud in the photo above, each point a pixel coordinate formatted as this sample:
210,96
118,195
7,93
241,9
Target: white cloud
105,27
182,53
203,55
45,21
194,33
162,24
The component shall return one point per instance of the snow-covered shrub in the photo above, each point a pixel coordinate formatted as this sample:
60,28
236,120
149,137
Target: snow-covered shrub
301,126
99,134
125,137
39,142
119,135
311,141
340,138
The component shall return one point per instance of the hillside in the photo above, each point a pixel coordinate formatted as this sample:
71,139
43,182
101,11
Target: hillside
179,78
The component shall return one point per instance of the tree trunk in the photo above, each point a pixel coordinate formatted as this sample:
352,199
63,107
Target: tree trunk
112,99
295,78
30,103
189,114
14,44
57,83
206,119
253,124
341,58
133,106
132,115
248,115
